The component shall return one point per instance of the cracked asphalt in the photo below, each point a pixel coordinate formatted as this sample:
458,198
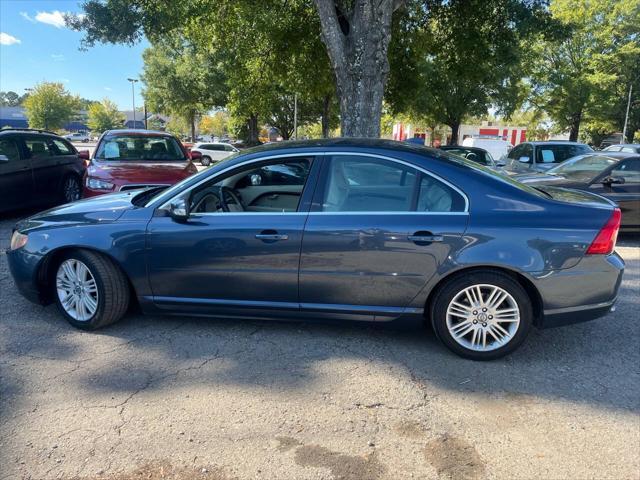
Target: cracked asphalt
193,398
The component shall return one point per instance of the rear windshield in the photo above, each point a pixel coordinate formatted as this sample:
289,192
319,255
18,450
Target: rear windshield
496,175
138,148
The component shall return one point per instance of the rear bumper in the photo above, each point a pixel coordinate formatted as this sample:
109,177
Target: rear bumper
582,293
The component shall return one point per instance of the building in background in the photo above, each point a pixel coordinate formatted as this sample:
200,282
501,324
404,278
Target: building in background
15,117
442,135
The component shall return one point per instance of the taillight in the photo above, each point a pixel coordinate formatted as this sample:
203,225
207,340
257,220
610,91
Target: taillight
605,241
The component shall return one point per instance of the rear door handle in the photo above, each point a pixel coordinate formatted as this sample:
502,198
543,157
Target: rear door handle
271,236
425,238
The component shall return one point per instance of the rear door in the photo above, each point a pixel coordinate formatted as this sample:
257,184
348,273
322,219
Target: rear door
45,162
378,230
16,177
627,194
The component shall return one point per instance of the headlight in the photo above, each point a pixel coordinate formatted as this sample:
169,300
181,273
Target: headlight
18,240
96,184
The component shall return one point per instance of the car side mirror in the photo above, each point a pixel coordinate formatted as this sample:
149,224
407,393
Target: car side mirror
84,154
4,159
523,159
179,210
501,163
195,155
609,180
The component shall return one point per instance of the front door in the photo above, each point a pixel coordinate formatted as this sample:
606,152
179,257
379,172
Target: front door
16,178
46,166
378,231
241,245
627,194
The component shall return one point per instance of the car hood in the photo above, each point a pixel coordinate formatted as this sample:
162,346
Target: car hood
105,208
140,172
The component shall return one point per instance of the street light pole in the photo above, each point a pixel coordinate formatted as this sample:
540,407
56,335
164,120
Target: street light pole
133,98
626,117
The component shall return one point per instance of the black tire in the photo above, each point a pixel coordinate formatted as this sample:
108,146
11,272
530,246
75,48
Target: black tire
205,161
448,291
112,286
71,189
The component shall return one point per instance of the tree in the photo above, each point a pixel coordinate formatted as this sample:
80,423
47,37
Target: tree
50,106
458,58
216,125
181,82
575,74
11,99
104,116
356,35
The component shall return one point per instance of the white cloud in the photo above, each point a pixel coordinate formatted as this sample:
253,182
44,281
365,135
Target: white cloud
108,89
58,57
6,39
55,18
27,17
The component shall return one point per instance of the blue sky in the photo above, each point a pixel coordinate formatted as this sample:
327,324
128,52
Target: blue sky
35,46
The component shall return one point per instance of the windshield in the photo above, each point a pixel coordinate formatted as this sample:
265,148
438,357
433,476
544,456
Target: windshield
137,148
583,167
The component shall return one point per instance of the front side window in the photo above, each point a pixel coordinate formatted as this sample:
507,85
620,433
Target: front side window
559,153
37,147
9,149
139,148
365,184
273,187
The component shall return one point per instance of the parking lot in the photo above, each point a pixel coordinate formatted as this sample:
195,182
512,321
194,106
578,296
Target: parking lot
183,398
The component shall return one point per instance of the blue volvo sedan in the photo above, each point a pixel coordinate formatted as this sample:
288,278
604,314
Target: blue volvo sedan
352,229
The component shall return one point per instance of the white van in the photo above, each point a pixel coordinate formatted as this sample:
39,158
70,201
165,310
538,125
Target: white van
497,147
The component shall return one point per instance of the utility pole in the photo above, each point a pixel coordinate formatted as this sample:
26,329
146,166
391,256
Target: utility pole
295,116
626,117
133,98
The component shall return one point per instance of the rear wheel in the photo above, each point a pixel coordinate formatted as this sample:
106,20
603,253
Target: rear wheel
91,291
71,189
206,161
482,315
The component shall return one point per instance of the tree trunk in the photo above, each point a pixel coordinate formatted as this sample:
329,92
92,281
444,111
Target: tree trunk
326,112
454,126
192,120
576,118
252,126
357,42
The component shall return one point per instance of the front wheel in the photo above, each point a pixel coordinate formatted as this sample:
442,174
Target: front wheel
205,161
482,316
91,291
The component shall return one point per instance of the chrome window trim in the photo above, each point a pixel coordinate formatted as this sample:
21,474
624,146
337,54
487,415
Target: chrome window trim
323,154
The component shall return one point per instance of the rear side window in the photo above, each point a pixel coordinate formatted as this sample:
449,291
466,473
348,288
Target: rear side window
37,147
366,184
629,170
217,148
9,148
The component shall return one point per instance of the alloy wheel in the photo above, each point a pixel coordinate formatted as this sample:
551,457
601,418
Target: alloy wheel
77,290
71,189
483,317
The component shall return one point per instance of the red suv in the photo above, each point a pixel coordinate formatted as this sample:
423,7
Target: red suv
131,159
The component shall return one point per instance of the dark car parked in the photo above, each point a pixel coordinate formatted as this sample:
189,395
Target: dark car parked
347,228
615,175
134,159
38,168
475,154
541,156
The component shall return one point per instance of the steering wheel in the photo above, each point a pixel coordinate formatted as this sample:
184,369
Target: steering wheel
224,204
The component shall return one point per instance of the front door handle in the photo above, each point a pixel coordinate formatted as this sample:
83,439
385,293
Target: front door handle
425,238
271,236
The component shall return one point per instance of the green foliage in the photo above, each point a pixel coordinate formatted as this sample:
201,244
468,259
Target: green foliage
104,116
216,124
12,99
586,73
50,106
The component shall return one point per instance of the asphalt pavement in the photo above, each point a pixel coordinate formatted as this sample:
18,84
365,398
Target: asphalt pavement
189,398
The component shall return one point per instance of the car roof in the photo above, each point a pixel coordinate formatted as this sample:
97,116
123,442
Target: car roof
28,131
555,142
614,155
137,131
634,145
461,147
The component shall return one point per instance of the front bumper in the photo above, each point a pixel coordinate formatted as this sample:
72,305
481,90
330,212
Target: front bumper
582,293
24,268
